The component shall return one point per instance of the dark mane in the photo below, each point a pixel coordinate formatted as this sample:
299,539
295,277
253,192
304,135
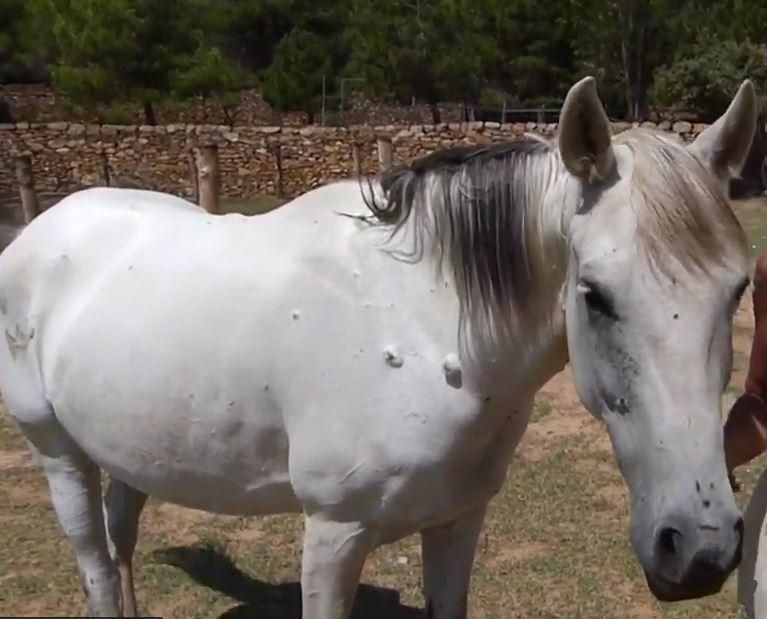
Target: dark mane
446,163
473,204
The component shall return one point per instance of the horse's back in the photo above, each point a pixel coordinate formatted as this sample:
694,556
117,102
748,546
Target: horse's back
94,227
86,221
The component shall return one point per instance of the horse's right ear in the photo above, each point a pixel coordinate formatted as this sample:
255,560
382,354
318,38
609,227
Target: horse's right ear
585,133
724,146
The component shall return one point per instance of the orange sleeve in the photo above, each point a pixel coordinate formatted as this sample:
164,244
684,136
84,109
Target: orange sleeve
745,431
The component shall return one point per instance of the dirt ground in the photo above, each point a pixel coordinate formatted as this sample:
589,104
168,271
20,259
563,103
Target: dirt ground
555,544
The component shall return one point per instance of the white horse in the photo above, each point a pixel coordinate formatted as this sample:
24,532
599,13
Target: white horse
375,372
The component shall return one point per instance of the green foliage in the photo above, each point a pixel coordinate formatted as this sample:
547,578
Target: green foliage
294,78
109,51
20,43
437,50
12,16
118,114
207,74
310,47
495,98
535,61
108,47
107,54
705,78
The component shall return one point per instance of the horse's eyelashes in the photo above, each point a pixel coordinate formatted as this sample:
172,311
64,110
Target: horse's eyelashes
599,302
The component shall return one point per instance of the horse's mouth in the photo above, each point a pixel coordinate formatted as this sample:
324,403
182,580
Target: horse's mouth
666,591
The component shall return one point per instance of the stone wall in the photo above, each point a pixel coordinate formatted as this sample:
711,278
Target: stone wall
40,103
68,156
28,101
361,111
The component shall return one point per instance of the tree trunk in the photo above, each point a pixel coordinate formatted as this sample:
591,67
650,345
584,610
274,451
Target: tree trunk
106,174
635,18
436,116
228,114
149,114
357,159
276,150
384,152
209,176
29,205
193,175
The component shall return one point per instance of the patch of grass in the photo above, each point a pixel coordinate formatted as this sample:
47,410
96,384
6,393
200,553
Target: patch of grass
542,408
753,217
21,585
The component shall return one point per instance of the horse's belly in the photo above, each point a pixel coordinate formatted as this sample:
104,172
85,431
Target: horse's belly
229,459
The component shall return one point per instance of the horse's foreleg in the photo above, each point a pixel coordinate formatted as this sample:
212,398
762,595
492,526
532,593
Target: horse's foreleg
448,556
122,508
75,487
333,558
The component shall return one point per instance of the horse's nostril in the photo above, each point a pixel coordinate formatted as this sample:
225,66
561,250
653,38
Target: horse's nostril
667,540
739,527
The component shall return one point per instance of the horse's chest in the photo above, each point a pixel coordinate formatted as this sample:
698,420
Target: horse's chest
406,468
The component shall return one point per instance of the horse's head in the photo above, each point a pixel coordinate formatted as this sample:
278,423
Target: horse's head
657,265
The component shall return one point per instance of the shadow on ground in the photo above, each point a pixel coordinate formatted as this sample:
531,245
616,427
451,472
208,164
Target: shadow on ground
212,567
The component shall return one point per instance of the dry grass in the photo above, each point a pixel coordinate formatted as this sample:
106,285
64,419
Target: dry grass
555,544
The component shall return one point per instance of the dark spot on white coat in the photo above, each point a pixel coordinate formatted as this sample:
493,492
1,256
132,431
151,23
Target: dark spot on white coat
392,357
453,370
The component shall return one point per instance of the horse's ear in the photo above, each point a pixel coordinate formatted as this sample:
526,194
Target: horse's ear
724,146
585,133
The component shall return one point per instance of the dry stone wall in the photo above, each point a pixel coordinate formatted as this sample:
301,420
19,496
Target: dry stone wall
68,156
40,103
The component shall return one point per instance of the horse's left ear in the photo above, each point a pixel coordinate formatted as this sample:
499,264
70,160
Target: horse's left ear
585,134
724,145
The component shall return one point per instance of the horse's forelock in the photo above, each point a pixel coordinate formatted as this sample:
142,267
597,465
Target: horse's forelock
681,209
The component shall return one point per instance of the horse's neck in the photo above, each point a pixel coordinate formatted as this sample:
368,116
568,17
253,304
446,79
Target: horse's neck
519,362
526,355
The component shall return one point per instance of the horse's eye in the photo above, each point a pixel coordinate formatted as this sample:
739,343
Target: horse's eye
598,302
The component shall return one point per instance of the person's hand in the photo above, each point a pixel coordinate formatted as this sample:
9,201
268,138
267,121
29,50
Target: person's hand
734,483
745,433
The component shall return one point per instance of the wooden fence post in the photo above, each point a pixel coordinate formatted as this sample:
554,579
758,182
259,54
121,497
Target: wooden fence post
357,159
209,176
384,152
195,181
29,204
106,175
276,150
